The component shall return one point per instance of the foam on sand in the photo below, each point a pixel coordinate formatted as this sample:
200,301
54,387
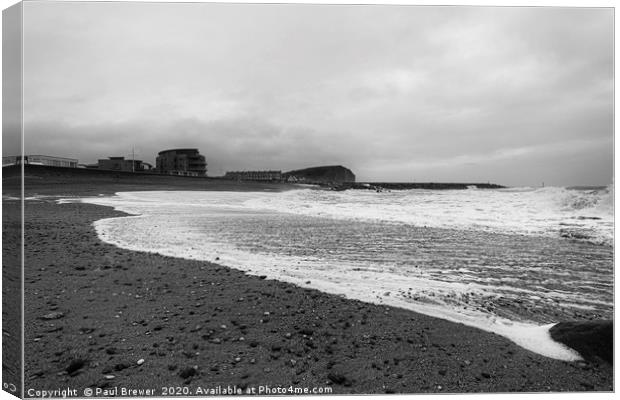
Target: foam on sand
172,224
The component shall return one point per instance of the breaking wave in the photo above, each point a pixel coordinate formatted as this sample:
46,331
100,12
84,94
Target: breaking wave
579,214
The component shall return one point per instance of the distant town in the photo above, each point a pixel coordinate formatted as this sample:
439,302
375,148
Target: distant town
186,162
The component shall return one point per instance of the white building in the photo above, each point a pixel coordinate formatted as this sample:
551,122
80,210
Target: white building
38,159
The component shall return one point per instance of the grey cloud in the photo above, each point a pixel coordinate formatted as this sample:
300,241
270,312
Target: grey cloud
392,92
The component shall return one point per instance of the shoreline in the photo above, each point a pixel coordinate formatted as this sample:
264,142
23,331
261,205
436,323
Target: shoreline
527,332
165,310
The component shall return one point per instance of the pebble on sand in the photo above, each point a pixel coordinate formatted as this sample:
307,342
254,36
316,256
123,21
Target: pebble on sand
75,366
53,315
187,372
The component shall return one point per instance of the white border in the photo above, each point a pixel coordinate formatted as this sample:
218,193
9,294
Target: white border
508,3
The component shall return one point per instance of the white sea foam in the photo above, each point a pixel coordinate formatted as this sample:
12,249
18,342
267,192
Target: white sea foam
172,224
551,211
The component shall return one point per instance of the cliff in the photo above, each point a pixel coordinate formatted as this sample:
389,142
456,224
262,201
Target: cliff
325,174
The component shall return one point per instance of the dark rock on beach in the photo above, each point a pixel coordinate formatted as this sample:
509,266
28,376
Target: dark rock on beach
75,365
593,340
188,372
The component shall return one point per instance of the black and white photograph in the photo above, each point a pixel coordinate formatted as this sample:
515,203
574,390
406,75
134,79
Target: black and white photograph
205,199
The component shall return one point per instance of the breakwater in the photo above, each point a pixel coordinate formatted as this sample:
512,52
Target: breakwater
414,185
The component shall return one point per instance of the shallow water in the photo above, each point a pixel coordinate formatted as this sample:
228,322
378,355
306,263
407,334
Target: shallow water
504,278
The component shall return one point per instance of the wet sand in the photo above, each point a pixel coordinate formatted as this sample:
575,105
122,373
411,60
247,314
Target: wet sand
93,311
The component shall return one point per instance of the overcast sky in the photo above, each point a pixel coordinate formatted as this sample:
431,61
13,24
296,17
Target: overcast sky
515,96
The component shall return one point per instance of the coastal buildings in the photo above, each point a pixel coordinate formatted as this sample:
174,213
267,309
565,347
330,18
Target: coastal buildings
187,162
254,175
121,164
38,159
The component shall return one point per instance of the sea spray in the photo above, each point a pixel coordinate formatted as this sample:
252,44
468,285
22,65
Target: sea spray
547,211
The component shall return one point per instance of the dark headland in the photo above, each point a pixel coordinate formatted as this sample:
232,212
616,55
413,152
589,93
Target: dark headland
329,173
100,316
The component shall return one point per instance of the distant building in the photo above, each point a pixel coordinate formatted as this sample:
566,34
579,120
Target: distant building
187,162
10,160
120,164
38,159
254,175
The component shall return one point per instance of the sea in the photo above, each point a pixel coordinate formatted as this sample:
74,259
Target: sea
510,261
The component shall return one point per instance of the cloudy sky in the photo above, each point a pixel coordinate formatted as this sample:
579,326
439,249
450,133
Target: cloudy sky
396,93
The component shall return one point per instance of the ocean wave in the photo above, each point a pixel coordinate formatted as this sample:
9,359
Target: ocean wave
526,211
598,200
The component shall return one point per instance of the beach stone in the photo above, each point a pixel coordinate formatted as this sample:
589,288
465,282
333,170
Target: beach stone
122,366
140,361
306,331
583,365
52,315
109,377
37,374
339,378
188,372
75,365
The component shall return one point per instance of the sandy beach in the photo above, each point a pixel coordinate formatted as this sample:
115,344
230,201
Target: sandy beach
97,316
